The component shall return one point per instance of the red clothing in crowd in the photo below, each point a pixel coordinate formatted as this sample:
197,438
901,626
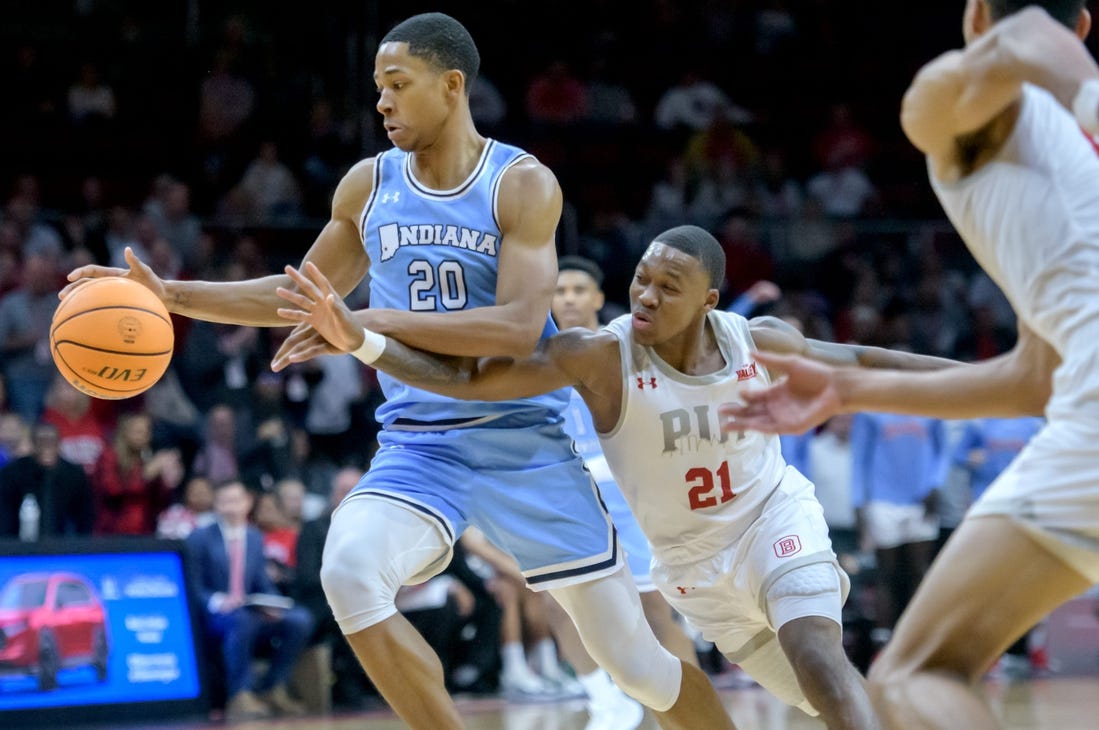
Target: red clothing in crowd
126,503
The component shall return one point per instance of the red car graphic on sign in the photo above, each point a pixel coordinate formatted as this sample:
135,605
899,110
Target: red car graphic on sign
49,622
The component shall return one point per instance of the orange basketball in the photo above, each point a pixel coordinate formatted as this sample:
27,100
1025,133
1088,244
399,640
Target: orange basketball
111,338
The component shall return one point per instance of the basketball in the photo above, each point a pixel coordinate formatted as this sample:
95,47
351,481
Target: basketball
111,338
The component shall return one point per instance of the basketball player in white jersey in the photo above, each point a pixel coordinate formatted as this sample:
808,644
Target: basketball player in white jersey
740,547
1020,180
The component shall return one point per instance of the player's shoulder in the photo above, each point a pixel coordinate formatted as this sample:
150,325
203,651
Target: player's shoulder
529,181
354,188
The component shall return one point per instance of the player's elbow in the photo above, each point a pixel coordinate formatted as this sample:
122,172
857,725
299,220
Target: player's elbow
520,340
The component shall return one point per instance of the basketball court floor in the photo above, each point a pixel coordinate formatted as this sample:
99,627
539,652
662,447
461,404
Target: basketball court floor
1070,703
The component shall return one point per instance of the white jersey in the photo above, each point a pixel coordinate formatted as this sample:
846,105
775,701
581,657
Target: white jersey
1030,216
692,488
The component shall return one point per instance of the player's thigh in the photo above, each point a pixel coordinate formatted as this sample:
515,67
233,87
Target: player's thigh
990,584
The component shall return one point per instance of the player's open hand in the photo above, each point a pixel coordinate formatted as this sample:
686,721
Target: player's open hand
138,271
318,305
803,397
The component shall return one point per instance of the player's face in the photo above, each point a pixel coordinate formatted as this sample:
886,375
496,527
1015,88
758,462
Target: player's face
413,97
577,300
669,292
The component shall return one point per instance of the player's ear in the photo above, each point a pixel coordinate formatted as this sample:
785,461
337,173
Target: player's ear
712,297
1083,24
455,82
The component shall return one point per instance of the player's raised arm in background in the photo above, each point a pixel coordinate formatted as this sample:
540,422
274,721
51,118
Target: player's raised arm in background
961,92
528,209
555,362
337,251
772,335
1017,383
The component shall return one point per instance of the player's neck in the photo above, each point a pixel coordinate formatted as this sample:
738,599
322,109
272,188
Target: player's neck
448,161
694,351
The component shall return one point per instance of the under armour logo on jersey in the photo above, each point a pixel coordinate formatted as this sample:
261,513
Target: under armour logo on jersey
683,589
747,372
395,197
643,382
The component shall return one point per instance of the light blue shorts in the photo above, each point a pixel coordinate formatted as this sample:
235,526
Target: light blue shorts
516,478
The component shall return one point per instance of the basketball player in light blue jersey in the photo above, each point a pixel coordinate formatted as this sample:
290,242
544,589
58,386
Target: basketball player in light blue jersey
457,232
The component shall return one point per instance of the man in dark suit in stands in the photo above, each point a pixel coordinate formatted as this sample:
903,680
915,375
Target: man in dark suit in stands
229,567
42,495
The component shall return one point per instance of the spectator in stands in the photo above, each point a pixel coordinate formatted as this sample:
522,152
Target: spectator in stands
25,316
898,464
279,540
132,483
229,570
693,103
194,510
556,96
273,191
42,495
217,456
83,437
90,99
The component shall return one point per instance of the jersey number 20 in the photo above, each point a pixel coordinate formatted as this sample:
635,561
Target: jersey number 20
701,483
431,285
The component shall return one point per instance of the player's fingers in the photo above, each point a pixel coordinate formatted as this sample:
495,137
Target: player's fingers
135,263
294,297
774,360
294,315
94,271
68,289
304,283
318,278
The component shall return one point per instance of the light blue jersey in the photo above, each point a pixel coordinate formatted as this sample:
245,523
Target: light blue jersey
578,424
438,251
509,468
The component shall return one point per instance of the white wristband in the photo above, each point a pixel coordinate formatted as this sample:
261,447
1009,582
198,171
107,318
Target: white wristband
1086,106
372,347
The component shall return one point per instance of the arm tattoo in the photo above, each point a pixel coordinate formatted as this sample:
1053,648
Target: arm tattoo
416,367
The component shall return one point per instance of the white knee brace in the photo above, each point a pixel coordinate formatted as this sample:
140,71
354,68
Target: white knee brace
375,546
608,615
769,666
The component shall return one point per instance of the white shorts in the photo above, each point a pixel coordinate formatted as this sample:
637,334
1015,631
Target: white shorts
1052,491
892,525
724,596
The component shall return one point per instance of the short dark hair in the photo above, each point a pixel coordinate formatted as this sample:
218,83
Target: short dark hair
1064,11
700,244
441,40
579,263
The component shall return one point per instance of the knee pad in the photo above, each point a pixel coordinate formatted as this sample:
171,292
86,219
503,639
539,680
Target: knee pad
810,590
607,613
375,546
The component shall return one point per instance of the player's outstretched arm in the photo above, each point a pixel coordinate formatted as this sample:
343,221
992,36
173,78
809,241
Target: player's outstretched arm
528,209
326,326
337,250
773,335
1015,384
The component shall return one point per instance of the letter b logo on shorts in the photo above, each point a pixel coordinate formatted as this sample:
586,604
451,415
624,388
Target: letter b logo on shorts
787,546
